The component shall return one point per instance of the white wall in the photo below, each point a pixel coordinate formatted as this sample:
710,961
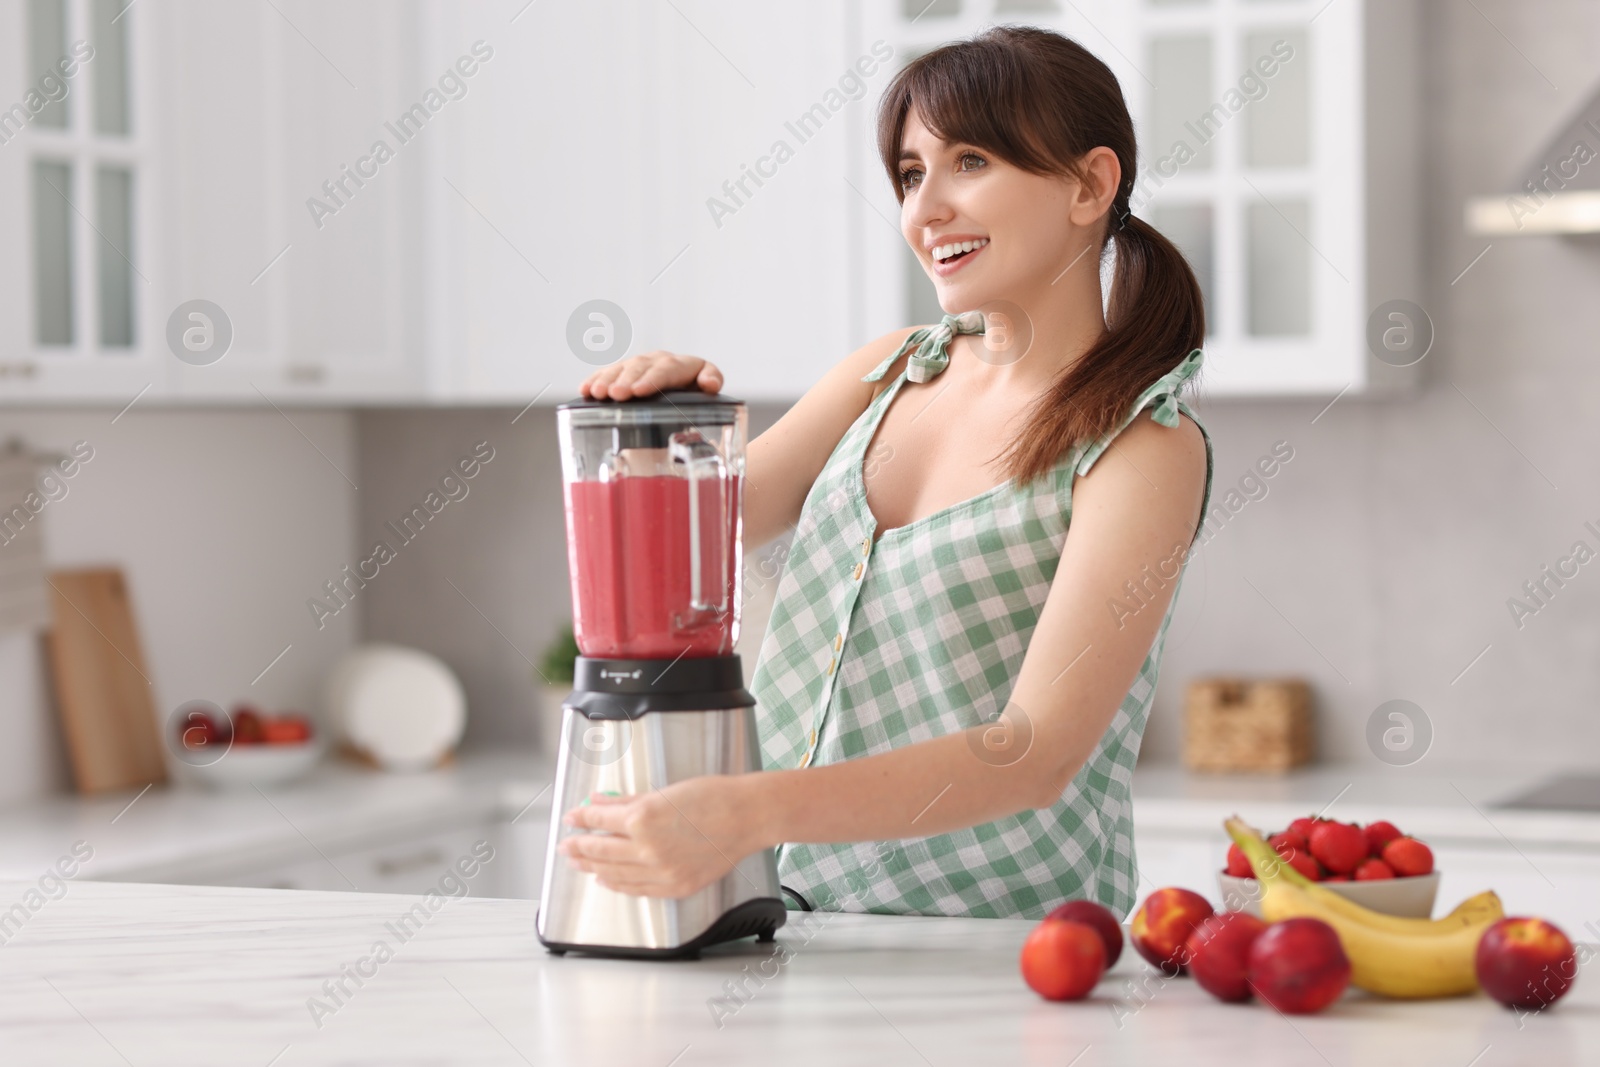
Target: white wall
225,523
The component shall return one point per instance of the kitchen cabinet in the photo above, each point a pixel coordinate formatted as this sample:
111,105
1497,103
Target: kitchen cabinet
706,169
758,150
625,165
694,174
1277,146
264,114
532,193
232,118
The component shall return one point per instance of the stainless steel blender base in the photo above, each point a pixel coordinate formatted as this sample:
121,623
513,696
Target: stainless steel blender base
630,756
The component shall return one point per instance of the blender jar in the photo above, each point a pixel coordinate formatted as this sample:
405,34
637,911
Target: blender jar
653,488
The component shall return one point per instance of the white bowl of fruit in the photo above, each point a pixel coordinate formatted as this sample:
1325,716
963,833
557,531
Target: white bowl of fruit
247,748
1374,865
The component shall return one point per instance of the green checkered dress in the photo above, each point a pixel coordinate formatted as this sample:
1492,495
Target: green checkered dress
872,646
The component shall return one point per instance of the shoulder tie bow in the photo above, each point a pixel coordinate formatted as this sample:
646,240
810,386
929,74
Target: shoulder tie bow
932,347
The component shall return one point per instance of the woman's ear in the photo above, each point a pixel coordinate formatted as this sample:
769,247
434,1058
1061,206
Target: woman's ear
1097,191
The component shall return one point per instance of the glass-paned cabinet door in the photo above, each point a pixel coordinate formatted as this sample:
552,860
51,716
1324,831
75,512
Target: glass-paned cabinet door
1251,154
78,321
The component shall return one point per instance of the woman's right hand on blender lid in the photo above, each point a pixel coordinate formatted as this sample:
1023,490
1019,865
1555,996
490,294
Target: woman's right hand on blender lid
651,372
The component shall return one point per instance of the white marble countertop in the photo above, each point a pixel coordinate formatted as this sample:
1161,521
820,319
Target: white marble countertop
147,974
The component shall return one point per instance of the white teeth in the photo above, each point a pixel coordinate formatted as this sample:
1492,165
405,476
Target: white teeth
943,252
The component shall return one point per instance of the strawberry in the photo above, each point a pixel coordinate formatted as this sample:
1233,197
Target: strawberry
1238,866
1408,857
1373,869
1306,865
247,726
1303,826
1291,839
286,730
1379,834
1339,846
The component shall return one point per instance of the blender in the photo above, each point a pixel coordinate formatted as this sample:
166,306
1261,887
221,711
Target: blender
653,488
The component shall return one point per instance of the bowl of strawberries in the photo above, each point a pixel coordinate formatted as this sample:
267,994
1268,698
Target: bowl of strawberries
246,748
1376,866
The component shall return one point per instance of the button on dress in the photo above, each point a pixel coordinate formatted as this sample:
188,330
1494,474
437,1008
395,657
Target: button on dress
875,645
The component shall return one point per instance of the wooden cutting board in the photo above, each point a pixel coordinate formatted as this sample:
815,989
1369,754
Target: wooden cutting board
102,689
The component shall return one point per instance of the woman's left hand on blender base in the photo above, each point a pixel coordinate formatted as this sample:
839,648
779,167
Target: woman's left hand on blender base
669,842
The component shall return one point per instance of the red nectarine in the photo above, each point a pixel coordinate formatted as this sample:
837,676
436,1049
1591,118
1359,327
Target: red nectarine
1098,916
1525,963
1063,959
1219,950
1298,965
1161,927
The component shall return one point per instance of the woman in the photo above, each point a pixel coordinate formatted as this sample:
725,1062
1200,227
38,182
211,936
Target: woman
952,689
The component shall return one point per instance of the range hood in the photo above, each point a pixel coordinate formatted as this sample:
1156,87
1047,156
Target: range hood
1560,191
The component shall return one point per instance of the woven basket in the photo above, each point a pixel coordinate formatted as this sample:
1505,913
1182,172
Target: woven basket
1232,724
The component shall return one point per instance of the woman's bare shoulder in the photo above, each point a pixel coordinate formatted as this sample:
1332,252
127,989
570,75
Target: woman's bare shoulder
1155,472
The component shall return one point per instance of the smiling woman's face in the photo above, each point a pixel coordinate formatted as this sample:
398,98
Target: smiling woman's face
1024,228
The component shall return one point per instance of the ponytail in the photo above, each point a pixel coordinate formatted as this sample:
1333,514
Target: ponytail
1156,317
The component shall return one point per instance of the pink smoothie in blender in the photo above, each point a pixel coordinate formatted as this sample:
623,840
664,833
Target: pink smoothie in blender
629,547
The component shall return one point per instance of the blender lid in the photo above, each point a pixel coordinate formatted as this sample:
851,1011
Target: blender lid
683,407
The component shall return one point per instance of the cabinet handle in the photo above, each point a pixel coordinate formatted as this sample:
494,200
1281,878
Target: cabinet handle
429,857
305,373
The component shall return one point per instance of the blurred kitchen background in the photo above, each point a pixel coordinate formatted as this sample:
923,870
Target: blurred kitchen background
1385,200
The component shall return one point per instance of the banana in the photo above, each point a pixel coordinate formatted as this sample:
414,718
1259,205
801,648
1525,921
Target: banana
1386,963
1389,955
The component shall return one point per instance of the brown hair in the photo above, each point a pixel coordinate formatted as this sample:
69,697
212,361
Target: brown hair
1040,101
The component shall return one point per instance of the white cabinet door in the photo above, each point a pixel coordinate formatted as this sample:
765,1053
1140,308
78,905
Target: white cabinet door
358,109
762,114
533,191
271,115
686,163
216,74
